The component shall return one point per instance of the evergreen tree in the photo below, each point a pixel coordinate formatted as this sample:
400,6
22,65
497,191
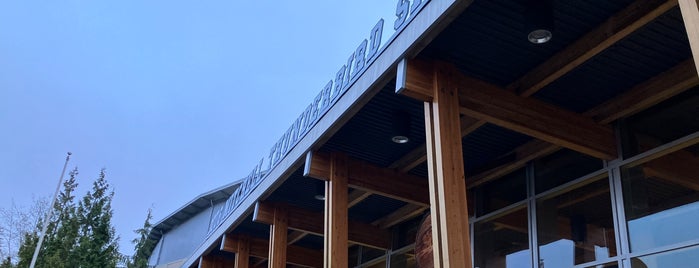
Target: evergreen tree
143,246
59,244
61,233
7,263
97,241
26,249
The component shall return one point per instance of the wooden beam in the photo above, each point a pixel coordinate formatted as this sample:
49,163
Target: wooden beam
690,16
419,155
355,197
640,97
295,236
277,243
214,261
259,248
648,93
535,118
304,220
446,167
336,213
372,179
522,155
402,214
617,27
229,243
679,168
482,100
415,80
206,261
242,257
433,177
614,29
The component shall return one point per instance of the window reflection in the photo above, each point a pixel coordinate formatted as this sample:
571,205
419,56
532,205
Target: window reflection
576,227
406,260
503,241
688,257
665,122
606,265
662,199
562,167
500,193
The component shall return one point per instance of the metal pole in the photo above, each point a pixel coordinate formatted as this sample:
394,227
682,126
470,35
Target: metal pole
49,214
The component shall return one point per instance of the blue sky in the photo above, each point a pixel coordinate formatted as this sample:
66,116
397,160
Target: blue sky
173,98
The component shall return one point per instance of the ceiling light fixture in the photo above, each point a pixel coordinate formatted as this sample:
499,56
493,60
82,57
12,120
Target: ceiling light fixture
320,191
539,21
400,127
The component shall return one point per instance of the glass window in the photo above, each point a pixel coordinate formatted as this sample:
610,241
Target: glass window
404,234
661,199
369,254
405,260
503,241
561,167
576,227
353,256
665,122
381,264
500,193
606,265
688,257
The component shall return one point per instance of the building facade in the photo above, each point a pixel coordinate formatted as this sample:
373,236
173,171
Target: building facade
176,236
533,133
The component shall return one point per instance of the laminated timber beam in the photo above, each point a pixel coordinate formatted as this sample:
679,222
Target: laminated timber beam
402,214
240,245
336,216
259,248
448,203
640,97
311,222
481,100
614,29
355,197
277,243
690,16
373,179
214,261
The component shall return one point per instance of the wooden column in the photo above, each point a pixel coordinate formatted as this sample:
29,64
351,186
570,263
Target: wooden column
242,256
450,229
690,15
277,242
206,261
212,261
335,254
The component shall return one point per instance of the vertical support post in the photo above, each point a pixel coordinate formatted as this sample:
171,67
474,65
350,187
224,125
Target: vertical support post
277,243
335,254
242,256
452,246
690,15
432,177
206,262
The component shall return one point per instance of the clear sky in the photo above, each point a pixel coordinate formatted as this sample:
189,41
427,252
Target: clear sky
173,98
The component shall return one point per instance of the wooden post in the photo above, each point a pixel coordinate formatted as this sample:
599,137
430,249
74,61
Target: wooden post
242,256
450,229
211,261
277,243
335,254
690,15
